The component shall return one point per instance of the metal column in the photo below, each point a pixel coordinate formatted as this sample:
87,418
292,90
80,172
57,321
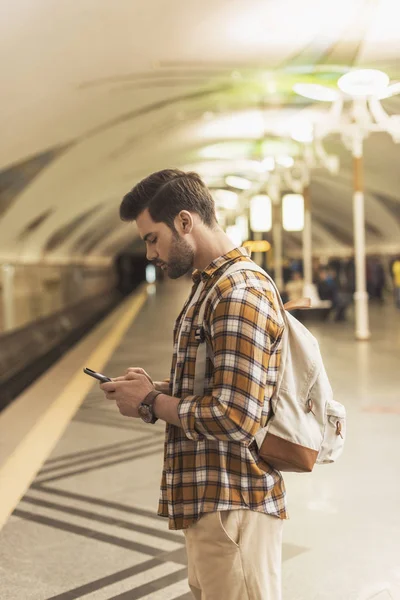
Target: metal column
360,297
257,256
307,239
277,242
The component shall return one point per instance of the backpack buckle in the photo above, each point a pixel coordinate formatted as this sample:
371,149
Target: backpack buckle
199,335
339,429
310,405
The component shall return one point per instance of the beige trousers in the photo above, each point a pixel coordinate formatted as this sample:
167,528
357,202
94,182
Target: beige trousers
235,555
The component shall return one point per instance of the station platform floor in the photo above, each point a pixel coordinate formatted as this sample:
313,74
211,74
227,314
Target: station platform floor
80,483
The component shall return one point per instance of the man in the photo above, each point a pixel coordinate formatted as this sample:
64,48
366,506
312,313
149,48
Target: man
228,501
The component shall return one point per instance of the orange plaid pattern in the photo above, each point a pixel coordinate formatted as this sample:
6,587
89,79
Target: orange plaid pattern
212,462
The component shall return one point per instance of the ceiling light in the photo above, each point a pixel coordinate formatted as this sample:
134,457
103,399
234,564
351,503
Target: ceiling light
315,91
271,87
235,234
226,150
221,218
390,91
257,245
293,212
268,164
151,274
260,213
242,223
242,125
285,161
225,199
364,82
302,132
238,182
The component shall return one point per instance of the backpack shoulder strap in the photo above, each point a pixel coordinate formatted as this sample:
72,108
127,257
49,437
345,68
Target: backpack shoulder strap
243,265
203,349
300,304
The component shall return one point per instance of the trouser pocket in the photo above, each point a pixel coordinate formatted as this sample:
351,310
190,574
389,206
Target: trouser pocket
230,525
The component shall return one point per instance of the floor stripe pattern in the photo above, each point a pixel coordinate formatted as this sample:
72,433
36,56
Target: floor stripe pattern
162,565
161,571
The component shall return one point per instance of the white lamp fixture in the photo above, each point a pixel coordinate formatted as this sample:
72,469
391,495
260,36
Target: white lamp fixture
247,124
260,213
242,223
365,87
293,212
303,132
225,199
239,183
268,164
221,218
234,233
364,82
285,161
390,91
314,91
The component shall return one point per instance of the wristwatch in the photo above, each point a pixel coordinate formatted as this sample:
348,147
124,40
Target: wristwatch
145,409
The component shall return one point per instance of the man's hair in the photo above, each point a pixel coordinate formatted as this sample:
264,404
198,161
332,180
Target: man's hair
165,193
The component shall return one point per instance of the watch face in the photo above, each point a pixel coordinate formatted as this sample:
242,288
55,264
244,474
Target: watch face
145,413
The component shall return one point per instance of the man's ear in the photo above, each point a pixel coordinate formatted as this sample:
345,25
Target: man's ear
184,222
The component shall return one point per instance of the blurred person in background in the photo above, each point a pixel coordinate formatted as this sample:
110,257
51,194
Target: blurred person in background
376,279
396,280
328,289
294,287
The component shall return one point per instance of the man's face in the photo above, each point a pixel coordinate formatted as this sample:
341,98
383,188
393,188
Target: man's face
166,248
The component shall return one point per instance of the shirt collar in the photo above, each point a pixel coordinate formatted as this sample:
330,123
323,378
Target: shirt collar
218,263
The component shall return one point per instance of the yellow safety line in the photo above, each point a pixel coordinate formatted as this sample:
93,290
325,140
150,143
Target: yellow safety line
21,467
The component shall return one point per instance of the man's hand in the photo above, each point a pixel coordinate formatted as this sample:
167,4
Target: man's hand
137,371
129,391
160,386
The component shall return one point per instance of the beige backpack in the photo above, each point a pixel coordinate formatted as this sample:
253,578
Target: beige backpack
307,425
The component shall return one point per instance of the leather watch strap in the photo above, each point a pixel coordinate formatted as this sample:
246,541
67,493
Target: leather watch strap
150,398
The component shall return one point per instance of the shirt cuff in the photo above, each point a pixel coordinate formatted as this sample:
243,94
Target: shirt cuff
187,415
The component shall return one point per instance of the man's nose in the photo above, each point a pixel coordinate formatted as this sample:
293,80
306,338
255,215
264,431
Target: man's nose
151,254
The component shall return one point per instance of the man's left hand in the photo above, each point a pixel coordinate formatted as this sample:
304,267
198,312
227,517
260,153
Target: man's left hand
128,392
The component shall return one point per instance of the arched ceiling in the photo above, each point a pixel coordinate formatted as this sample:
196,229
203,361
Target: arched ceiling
98,94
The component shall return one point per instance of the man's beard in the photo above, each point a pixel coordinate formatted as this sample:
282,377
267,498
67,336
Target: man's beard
180,259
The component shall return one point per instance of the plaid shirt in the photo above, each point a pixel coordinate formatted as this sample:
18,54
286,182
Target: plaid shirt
212,462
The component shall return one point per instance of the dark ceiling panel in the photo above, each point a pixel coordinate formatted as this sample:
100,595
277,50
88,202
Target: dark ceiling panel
163,75
96,238
35,224
63,233
93,235
293,238
14,179
373,230
336,232
391,204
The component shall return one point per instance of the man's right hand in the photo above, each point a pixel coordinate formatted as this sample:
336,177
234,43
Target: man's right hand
161,386
137,370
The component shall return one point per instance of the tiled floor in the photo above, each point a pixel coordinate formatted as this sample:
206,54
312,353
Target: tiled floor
87,527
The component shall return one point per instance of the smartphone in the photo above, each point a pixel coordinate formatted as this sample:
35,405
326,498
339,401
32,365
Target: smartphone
98,376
